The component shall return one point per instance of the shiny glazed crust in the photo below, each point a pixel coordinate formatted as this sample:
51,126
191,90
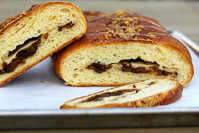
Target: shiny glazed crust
13,20
163,98
102,31
91,14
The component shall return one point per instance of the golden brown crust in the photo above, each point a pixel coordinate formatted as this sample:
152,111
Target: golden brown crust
117,27
11,21
163,98
92,14
145,29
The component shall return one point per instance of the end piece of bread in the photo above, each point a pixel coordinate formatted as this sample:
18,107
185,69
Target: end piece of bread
30,37
122,47
146,93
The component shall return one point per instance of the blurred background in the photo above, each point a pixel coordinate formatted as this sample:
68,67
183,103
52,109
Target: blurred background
182,15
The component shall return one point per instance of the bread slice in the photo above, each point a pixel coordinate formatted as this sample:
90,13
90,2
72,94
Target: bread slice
122,47
28,38
146,93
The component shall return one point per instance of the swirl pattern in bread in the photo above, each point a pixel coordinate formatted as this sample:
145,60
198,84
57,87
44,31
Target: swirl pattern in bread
146,93
28,38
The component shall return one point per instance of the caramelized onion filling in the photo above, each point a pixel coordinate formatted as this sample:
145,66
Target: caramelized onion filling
109,94
25,50
67,26
126,66
21,55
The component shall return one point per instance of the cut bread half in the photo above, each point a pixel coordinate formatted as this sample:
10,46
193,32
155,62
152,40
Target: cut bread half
121,48
146,93
30,37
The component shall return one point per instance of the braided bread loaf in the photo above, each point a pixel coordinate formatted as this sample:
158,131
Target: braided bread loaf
120,48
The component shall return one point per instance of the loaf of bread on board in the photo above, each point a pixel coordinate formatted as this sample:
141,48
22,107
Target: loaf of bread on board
146,93
120,48
31,36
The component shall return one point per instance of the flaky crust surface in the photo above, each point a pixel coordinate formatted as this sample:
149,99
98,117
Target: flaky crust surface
12,20
163,98
108,29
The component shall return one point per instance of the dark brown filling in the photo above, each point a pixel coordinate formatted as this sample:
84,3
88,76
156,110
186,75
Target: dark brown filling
127,67
21,56
67,26
99,68
151,83
22,45
109,94
140,60
46,36
25,53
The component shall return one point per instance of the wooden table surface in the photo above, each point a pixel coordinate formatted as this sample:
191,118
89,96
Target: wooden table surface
179,15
